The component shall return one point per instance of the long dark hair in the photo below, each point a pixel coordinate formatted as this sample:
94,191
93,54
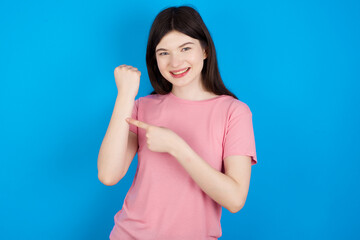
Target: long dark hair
188,21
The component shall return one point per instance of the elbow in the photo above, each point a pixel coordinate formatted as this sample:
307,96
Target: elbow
107,176
108,181
234,208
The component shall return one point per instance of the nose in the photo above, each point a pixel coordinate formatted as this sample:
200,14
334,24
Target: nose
175,60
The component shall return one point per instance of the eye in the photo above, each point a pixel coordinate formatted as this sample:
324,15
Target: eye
186,48
163,53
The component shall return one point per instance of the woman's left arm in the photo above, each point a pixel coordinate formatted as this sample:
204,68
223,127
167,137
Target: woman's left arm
230,189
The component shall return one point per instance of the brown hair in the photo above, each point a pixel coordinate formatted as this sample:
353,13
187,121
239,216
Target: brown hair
188,21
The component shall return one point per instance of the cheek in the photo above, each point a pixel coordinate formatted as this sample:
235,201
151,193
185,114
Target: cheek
163,69
198,64
161,65
196,59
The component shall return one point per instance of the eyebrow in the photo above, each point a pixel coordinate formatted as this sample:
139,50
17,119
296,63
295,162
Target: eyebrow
163,49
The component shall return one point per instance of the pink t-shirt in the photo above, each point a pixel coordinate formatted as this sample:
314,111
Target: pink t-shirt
163,201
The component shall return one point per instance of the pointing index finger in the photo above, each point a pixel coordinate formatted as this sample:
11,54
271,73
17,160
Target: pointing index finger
137,123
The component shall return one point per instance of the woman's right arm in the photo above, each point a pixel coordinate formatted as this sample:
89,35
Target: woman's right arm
119,145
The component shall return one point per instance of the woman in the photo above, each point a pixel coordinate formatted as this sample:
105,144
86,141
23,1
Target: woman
194,138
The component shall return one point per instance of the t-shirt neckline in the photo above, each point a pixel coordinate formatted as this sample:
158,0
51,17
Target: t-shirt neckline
174,97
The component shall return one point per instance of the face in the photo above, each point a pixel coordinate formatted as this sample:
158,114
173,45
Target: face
180,59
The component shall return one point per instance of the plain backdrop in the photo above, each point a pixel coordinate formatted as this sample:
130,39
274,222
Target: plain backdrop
294,63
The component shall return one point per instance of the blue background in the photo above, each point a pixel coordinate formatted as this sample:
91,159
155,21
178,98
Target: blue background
295,63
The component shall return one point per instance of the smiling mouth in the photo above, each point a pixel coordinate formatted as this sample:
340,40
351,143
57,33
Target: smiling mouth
180,72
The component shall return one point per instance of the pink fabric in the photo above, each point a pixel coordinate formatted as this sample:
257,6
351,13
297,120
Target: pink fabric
163,201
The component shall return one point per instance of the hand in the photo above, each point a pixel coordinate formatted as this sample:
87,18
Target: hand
159,139
127,79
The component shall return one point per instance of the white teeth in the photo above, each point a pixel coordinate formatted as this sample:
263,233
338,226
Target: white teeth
177,73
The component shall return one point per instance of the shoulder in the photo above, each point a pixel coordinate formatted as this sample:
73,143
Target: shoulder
236,106
149,98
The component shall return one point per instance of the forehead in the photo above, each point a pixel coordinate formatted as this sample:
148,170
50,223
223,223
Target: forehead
174,39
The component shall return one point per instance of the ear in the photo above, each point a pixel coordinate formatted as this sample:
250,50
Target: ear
204,53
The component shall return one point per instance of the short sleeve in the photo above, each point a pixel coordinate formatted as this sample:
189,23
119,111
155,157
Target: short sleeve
134,115
239,134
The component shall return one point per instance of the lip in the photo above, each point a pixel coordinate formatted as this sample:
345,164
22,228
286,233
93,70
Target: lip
180,75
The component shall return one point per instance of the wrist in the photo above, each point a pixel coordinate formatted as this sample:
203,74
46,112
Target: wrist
125,96
178,148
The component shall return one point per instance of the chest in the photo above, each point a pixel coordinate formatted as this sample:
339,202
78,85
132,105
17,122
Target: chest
202,129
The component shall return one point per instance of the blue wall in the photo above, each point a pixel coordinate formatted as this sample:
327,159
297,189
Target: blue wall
296,65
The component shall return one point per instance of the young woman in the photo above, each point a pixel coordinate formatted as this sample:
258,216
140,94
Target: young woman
194,138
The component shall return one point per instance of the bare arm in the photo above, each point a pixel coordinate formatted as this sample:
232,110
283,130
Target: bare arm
114,156
230,189
119,145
